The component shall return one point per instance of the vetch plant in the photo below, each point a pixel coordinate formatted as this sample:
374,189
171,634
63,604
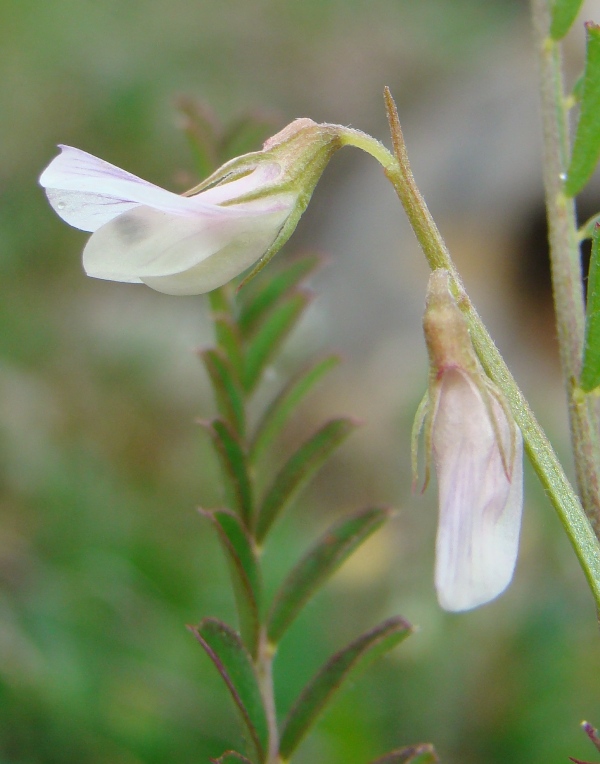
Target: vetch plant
476,420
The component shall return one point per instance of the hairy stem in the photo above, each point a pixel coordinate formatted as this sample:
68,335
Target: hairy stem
565,262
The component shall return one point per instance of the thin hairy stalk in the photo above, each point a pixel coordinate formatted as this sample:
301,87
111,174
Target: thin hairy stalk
565,262
540,452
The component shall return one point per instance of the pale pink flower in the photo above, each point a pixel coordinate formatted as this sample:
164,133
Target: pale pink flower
196,242
477,450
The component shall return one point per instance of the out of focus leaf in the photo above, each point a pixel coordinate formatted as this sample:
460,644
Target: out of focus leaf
270,335
277,414
564,13
227,389
590,371
229,340
235,467
332,549
200,128
299,469
231,757
246,134
244,570
320,690
424,753
586,231
586,146
225,649
257,305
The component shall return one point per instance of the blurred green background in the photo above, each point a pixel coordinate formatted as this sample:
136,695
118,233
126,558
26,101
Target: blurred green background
103,558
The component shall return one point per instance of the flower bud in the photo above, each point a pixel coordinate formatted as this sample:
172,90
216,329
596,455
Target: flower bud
477,450
189,244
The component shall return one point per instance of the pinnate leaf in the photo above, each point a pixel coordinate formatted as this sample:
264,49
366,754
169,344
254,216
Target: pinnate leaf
224,647
227,389
278,413
586,147
422,753
244,570
299,469
564,13
332,549
328,680
256,307
590,372
270,335
235,467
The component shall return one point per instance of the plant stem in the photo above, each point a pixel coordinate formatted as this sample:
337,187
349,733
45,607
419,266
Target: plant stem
264,670
565,262
539,449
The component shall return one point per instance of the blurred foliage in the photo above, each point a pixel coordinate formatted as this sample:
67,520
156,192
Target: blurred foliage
103,558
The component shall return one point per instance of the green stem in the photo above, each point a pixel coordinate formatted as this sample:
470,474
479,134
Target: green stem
264,670
539,450
565,262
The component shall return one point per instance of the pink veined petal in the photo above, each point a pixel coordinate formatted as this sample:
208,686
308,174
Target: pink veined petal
174,254
480,508
88,192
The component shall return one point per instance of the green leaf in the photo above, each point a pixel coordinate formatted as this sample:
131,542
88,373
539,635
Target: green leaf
227,389
247,134
284,404
224,647
270,335
257,305
334,547
586,231
423,753
586,147
564,13
299,469
230,341
231,757
590,372
235,467
320,690
244,571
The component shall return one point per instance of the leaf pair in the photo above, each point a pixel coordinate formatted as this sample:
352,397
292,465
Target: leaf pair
232,660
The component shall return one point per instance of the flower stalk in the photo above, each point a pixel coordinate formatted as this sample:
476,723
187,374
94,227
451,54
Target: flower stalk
539,450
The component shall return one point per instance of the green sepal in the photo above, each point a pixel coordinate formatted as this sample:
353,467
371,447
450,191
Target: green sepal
227,388
256,304
423,753
586,146
231,659
313,570
231,757
299,469
281,408
590,371
235,467
564,13
245,573
271,334
328,680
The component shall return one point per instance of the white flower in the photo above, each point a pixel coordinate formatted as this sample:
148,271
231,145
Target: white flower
196,242
480,495
477,450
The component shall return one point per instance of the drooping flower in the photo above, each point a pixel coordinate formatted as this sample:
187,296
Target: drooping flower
190,244
477,451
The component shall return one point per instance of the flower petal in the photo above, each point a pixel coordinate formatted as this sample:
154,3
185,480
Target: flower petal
480,507
174,254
